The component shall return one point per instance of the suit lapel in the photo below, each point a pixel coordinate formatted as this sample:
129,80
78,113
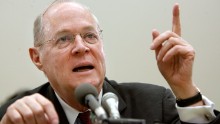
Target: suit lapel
107,87
62,116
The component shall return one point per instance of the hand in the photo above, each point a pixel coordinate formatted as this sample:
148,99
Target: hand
34,109
175,58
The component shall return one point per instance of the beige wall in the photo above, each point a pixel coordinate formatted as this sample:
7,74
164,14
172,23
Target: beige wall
127,29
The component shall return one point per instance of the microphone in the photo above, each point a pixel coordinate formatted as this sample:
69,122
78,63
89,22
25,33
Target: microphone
110,103
86,94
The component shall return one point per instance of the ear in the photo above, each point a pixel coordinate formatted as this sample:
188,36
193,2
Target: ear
35,57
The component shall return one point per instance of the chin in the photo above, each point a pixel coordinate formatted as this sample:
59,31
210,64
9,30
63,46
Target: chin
96,83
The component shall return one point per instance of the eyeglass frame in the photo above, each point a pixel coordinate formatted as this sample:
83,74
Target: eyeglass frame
56,38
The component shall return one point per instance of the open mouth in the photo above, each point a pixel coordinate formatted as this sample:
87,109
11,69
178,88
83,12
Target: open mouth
83,68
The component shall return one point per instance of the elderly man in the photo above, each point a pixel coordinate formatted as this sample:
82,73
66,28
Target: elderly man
69,50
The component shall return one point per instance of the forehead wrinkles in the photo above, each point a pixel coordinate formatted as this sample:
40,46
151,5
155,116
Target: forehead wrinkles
67,11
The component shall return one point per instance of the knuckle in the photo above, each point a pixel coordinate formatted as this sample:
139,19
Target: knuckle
36,95
47,104
192,50
39,112
19,101
16,119
169,32
178,47
28,115
171,39
27,98
10,108
43,101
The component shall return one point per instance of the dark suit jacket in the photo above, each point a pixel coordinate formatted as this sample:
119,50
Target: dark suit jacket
153,103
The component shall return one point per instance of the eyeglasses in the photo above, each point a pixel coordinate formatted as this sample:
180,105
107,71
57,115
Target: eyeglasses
65,39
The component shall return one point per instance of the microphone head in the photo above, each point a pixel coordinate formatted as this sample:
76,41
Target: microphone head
107,96
84,89
110,103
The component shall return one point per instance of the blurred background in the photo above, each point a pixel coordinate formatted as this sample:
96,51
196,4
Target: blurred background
127,37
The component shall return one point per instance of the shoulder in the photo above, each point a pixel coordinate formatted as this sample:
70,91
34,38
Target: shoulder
143,99
43,89
139,89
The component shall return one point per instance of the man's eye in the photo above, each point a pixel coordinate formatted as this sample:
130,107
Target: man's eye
90,36
66,38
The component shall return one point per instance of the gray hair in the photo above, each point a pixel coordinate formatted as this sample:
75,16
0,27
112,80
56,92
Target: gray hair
39,24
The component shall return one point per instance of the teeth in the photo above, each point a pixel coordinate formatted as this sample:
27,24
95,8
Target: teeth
83,68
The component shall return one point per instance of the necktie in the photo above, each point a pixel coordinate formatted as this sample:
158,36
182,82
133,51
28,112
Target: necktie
85,117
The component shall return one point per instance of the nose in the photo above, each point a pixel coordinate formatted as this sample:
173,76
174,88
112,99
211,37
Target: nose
80,47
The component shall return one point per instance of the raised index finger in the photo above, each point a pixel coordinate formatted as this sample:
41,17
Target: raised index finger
176,26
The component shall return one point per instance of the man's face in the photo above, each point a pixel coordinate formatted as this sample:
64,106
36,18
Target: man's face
77,63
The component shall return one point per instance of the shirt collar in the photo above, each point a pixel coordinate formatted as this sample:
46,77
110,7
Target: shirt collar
72,113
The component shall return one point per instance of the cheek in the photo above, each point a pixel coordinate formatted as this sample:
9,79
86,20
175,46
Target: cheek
52,64
101,56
